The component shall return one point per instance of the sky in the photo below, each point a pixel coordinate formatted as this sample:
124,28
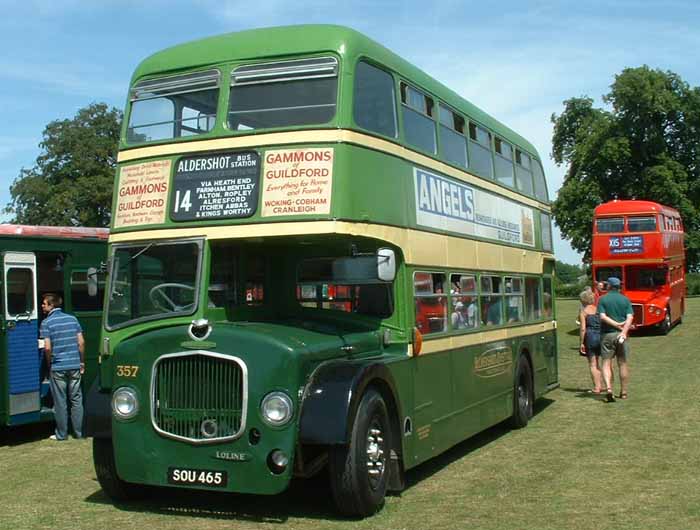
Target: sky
518,61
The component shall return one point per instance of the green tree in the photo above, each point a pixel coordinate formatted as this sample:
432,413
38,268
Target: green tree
644,146
568,273
71,183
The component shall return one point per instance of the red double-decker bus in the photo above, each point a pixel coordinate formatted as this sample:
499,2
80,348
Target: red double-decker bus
641,242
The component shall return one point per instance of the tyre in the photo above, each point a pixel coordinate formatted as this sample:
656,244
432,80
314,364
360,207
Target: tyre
665,326
106,470
523,394
359,470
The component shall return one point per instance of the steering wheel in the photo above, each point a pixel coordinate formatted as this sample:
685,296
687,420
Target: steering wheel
163,302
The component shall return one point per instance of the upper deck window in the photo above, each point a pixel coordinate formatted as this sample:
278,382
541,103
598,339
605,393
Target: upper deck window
504,162
418,124
375,104
453,144
610,225
480,158
523,173
172,107
283,94
540,183
642,224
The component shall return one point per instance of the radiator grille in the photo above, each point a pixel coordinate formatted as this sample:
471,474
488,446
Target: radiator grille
638,311
199,397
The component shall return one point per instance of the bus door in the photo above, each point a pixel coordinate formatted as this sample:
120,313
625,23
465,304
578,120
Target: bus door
21,334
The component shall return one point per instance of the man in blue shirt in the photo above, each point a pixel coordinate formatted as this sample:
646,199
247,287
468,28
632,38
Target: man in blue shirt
64,347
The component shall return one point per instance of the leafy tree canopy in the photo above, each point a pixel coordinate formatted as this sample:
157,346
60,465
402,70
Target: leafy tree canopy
71,183
568,273
644,145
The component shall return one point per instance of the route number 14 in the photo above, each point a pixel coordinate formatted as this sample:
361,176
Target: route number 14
185,204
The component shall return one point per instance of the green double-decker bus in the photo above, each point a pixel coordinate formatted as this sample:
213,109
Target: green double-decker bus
320,259
37,260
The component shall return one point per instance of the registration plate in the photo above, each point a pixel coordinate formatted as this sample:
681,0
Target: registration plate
197,477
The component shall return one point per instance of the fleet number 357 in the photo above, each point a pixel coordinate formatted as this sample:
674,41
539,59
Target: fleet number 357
125,370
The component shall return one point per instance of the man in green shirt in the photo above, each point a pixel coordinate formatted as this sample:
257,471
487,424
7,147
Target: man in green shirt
616,316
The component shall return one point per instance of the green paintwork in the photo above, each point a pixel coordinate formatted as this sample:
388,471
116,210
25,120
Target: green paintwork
447,396
80,254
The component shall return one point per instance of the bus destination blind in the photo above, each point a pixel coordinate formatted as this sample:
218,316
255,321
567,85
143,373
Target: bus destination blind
215,186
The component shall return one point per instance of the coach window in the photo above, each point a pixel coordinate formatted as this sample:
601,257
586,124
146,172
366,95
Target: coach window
491,300
431,302
514,300
418,124
375,103
546,231
610,225
504,162
539,180
547,295
642,224
532,299
464,313
523,173
453,144
480,158
80,298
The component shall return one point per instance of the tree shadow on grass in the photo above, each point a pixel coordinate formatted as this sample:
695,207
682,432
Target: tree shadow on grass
22,434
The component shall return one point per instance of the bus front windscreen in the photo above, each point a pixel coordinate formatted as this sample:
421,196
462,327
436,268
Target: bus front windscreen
151,281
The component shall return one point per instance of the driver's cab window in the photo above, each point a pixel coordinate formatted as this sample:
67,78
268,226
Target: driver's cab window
20,292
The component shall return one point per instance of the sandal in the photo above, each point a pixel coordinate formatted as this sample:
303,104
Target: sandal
623,395
594,392
610,397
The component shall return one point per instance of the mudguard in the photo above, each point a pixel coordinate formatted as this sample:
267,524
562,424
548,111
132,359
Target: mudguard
98,412
333,394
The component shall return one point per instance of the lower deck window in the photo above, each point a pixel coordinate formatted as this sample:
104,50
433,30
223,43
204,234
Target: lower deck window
431,302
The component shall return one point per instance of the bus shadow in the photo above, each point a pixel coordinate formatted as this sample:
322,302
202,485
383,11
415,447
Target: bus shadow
462,449
307,498
23,434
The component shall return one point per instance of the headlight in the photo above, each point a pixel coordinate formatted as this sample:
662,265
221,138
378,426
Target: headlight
125,404
276,408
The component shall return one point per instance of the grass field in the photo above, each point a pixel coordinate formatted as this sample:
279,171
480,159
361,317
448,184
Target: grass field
580,464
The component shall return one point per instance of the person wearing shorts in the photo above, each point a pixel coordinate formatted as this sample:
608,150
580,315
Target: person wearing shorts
616,317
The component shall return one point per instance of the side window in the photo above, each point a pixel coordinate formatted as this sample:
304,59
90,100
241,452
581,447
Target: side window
523,173
480,158
515,311
539,181
418,125
431,302
491,300
533,311
547,296
453,144
464,312
81,299
375,103
546,231
504,162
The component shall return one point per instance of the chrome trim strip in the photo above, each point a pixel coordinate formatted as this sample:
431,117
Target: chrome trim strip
244,403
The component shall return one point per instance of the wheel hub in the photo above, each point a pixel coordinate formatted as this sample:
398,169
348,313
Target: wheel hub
376,458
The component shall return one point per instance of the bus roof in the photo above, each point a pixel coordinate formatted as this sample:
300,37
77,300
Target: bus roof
630,207
297,40
62,232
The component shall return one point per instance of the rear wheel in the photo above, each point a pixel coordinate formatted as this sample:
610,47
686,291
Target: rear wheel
106,470
523,395
359,471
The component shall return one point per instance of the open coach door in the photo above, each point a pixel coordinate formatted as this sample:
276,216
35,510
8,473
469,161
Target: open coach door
21,332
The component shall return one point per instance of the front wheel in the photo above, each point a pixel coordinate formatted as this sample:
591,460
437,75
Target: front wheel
359,470
665,326
523,395
106,470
